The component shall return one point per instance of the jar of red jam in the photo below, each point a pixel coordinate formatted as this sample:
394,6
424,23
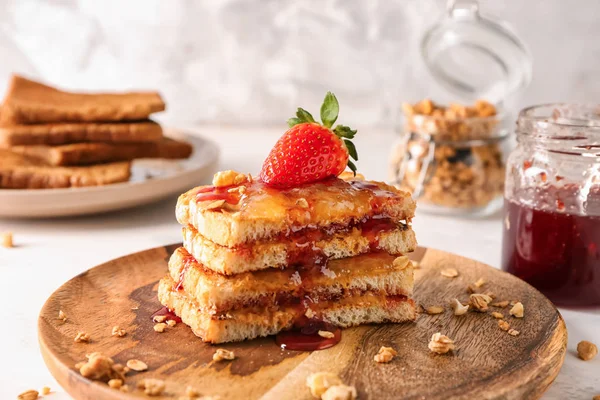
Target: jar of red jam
552,203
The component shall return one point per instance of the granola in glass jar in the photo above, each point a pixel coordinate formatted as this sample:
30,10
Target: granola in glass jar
451,157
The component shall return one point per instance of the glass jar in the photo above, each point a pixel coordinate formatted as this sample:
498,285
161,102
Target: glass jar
551,233
451,158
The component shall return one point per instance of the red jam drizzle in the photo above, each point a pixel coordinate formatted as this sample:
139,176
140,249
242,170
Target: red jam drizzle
557,252
164,311
218,193
306,338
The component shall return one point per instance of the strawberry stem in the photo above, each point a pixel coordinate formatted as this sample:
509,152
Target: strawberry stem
329,114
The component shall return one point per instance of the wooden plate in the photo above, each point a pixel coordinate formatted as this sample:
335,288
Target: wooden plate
151,180
487,363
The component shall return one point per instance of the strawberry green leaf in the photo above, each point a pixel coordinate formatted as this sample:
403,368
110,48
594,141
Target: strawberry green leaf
344,131
351,149
293,121
329,110
352,167
304,116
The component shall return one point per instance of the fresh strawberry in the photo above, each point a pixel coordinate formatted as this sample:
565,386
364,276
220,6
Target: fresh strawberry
309,151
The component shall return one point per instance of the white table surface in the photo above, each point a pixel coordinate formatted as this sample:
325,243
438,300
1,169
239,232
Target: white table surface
50,252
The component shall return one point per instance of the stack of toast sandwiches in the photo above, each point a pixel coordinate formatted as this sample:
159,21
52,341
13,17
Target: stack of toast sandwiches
258,260
50,138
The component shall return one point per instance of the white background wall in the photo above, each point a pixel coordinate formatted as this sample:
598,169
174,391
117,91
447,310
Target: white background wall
254,61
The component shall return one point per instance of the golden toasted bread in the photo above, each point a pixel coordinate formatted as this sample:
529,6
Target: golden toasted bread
213,292
284,252
19,172
251,211
252,322
30,102
93,153
64,133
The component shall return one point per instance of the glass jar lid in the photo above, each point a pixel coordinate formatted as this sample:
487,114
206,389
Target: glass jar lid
475,57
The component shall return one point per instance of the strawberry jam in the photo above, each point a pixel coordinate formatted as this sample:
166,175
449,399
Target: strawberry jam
218,193
167,313
555,250
307,338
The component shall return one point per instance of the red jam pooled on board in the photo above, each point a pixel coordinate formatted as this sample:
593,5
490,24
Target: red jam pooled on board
554,250
164,311
307,338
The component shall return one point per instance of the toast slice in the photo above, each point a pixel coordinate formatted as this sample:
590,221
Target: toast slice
251,211
251,322
19,172
213,292
64,133
30,102
94,153
302,248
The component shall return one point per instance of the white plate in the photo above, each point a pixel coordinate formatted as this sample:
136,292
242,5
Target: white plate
151,180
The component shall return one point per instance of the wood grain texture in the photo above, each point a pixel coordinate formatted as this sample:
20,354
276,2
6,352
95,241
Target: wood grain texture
487,363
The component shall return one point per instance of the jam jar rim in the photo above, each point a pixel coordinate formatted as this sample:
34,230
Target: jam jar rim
526,115
567,136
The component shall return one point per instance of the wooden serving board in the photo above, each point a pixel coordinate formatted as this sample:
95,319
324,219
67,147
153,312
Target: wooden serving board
487,363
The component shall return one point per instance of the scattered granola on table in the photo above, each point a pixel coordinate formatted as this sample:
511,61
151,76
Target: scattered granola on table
152,387
586,350
319,382
7,240
222,354
385,354
28,395
440,344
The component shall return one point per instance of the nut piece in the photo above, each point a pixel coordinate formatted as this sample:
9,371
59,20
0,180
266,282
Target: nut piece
503,325
401,262
159,318
480,301
228,178
301,202
222,354
82,337
190,391
62,316
513,332
385,355
517,310
440,344
340,392
117,331
500,304
497,315
115,383
98,367
160,328
28,395
171,323
480,282
137,365
596,397
459,308
586,350
213,205
45,390
152,387
7,241
319,382
326,334
449,273
434,310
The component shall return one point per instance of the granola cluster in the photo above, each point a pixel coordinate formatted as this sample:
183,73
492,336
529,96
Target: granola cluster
466,169
328,386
